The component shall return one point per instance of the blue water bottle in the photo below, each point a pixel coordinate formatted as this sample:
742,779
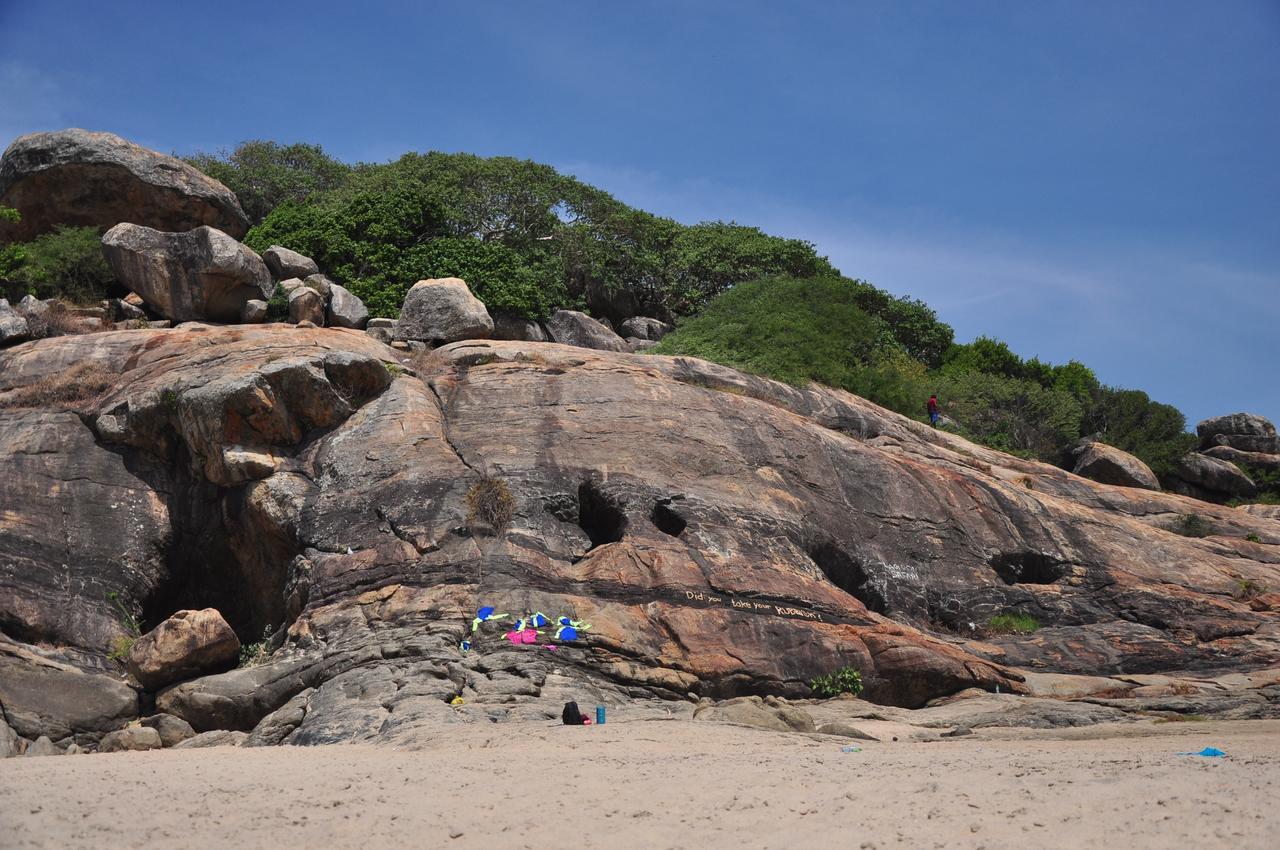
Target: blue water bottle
599,715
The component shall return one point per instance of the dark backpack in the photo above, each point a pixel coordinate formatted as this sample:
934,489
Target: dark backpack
571,716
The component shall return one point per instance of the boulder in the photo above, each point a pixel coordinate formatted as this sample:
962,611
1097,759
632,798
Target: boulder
284,263
320,283
42,746
442,310
13,325
1264,511
215,738
8,740
518,329
1261,460
569,327
234,700
290,285
638,345
1266,444
57,700
757,712
201,274
122,311
189,643
173,730
1214,476
130,738
1244,424
83,179
382,333
254,312
1108,465
306,305
643,327
345,310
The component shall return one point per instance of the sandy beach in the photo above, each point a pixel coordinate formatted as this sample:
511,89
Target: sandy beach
667,784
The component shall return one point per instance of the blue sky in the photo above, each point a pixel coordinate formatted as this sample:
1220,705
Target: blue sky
1088,180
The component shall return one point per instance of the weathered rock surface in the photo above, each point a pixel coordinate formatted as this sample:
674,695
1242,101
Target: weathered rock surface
442,310
1109,465
187,644
306,305
345,310
215,738
643,327
1212,478
172,730
1257,459
84,179
130,738
569,327
284,263
1245,424
721,534
754,711
44,697
518,329
8,739
42,746
1249,442
13,325
253,312
194,275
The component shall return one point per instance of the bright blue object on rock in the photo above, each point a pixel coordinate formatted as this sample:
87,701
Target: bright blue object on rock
1207,752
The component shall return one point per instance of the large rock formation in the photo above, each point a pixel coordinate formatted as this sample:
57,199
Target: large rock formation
284,263
197,275
442,310
710,533
1246,432
78,178
1211,479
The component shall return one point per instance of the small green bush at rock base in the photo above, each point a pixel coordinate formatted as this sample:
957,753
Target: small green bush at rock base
846,680
1253,538
120,648
1013,624
254,654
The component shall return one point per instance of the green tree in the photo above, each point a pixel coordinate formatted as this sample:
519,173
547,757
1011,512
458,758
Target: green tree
1129,420
265,174
67,263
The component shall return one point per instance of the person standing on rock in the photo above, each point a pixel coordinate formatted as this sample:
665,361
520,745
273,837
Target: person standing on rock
934,413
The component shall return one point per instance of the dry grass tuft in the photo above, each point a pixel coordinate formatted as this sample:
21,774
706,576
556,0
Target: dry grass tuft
64,390
490,503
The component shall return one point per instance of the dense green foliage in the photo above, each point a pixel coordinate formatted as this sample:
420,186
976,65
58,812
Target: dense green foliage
265,174
67,263
526,238
1013,624
804,329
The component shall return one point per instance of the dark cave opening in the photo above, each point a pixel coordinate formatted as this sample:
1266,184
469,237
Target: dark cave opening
600,515
1027,568
667,520
847,573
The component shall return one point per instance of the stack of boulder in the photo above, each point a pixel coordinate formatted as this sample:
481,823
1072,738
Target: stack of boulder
312,297
443,310
1227,443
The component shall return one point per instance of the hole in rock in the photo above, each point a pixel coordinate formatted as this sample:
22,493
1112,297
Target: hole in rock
848,574
599,515
665,518
1027,568
214,560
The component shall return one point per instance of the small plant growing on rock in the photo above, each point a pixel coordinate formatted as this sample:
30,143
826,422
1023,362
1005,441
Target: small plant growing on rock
489,502
257,653
121,646
1192,525
1248,589
846,680
395,370
1012,624
1253,538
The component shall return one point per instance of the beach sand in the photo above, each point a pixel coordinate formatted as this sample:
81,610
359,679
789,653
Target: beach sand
667,784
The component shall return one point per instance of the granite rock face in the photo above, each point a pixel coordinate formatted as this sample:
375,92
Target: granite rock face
712,534
79,178
201,274
284,263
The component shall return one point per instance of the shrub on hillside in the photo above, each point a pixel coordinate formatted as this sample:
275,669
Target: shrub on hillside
265,174
67,263
798,330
